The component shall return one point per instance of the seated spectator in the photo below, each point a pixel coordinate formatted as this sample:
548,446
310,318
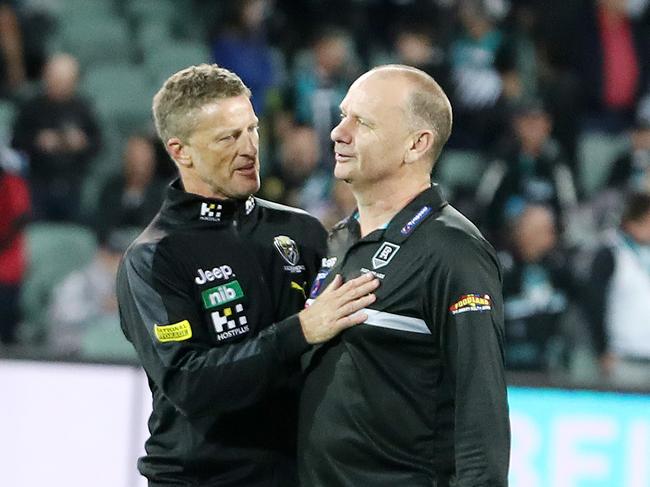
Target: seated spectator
630,172
321,83
58,131
340,205
87,296
475,81
536,288
613,62
14,214
298,180
530,168
132,198
242,47
617,296
415,46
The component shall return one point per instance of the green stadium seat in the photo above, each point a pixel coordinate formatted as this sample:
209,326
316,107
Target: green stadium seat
151,34
597,153
95,41
68,11
103,340
7,115
165,60
459,168
55,250
141,11
122,95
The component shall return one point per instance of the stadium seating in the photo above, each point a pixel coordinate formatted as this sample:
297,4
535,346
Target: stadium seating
55,250
122,94
96,41
596,154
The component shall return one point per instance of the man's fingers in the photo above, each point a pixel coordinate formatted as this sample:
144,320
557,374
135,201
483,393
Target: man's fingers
358,286
352,307
334,285
352,320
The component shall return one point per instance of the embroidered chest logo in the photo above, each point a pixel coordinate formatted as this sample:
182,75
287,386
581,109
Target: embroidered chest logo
384,255
471,302
230,322
210,212
289,252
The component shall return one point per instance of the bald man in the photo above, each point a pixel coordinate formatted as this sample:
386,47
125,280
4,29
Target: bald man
416,395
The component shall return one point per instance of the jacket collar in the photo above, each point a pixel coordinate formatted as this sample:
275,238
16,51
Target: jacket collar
403,224
192,208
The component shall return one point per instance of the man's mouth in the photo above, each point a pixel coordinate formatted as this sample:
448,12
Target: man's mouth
339,157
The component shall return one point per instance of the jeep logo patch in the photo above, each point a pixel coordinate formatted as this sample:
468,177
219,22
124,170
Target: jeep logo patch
287,248
384,255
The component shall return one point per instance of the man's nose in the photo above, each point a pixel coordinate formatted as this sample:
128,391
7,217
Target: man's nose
341,133
250,145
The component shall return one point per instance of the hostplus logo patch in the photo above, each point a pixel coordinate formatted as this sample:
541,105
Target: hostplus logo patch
223,294
230,322
210,212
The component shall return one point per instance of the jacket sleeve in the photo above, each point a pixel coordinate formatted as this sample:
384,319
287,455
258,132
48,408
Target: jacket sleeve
468,292
197,377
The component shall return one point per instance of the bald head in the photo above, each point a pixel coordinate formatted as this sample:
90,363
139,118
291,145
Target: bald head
60,76
426,105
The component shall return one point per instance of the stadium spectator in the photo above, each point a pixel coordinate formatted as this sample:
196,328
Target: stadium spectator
242,47
132,198
320,80
529,168
58,131
616,296
431,349
87,297
537,287
613,62
476,84
14,214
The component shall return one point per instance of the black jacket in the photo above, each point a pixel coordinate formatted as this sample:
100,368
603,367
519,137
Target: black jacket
416,395
204,297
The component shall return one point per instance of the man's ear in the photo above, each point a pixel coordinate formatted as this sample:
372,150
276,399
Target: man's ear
179,152
420,143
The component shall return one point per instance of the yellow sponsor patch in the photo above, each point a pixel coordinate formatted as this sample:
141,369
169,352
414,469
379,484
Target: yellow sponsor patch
176,332
471,302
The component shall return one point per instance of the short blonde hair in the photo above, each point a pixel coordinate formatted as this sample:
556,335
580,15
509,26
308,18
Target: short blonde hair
187,91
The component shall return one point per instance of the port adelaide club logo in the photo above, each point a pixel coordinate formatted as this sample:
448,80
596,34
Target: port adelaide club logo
384,255
289,252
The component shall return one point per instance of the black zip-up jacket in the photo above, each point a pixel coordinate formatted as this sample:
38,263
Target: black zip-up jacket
206,295
416,395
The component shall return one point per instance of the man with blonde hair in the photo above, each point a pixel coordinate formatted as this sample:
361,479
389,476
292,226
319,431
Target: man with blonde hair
211,296
416,395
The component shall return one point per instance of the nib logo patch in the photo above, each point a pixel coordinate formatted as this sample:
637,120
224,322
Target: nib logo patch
217,296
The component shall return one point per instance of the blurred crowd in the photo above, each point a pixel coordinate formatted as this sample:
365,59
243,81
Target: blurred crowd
549,154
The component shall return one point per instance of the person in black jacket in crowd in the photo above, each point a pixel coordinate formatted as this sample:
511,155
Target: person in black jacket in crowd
416,395
211,294
58,131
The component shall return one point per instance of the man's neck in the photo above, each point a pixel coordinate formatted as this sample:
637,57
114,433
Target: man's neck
379,204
